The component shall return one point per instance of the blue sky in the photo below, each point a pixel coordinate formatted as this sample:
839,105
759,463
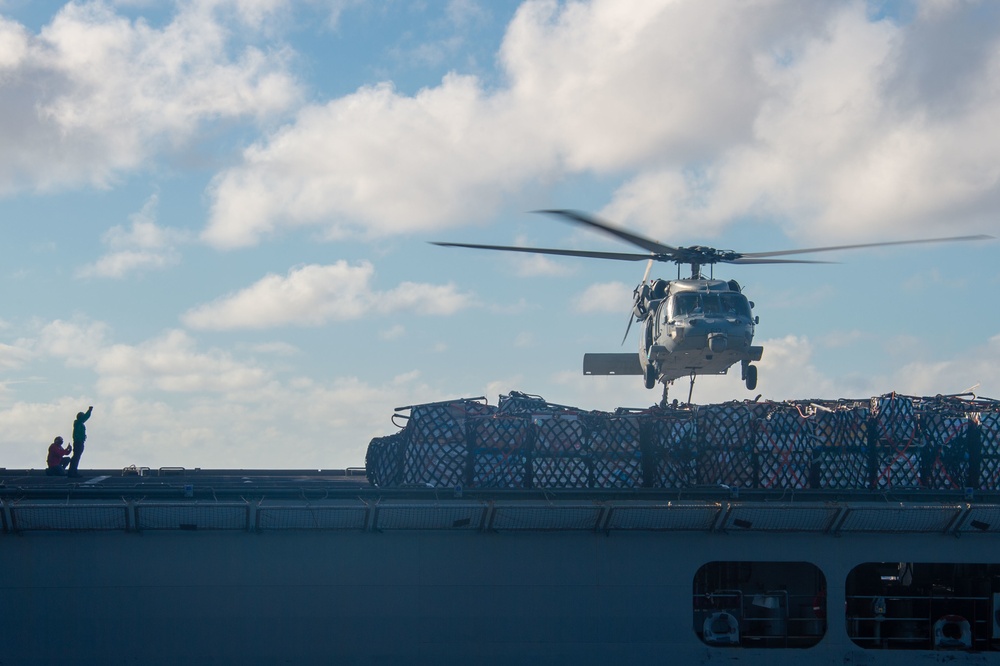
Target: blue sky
216,212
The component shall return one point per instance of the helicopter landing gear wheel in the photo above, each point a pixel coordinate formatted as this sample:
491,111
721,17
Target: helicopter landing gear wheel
751,377
650,376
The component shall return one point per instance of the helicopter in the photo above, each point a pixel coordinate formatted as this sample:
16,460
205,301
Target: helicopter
691,326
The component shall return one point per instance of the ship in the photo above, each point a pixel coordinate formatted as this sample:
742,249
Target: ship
847,532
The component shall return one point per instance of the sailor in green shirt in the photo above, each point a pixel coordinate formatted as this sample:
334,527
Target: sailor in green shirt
79,437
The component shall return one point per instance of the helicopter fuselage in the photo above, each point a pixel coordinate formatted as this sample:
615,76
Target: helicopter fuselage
695,327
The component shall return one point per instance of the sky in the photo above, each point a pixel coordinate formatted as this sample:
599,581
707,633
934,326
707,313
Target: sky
216,214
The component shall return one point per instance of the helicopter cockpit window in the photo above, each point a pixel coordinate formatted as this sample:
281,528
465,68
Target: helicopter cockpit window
687,303
734,304
726,304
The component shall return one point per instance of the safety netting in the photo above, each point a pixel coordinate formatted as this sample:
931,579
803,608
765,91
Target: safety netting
192,516
670,448
560,470
436,449
500,452
384,460
724,454
922,519
64,516
988,445
891,441
783,449
321,515
947,439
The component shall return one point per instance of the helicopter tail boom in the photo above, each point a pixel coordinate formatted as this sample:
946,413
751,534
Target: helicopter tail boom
612,364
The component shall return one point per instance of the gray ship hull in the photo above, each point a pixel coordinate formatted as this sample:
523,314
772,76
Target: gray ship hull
248,568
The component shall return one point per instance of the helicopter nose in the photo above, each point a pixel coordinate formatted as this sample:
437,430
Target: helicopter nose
717,342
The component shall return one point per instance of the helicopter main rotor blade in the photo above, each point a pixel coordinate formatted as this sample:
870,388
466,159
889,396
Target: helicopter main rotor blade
627,236
645,276
831,248
743,260
619,256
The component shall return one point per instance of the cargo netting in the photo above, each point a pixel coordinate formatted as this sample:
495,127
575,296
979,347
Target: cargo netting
524,442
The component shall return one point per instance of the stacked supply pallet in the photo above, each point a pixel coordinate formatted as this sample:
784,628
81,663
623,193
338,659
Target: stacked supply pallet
670,448
561,457
783,447
838,434
725,436
436,453
384,460
500,451
898,449
989,447
616,451
891,442
946,431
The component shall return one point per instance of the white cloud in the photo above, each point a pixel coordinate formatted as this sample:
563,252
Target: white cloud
813,115
841,339
604,297
313,295
843,143
78,342
274,426
169,363
977,367
94,94
462,12
119,264
275,349
787,370
790,370
538,265
142,246
13,46
13,356
394,332
167,401
578,99
393,162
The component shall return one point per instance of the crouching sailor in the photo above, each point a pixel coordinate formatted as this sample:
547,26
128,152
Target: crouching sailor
58,458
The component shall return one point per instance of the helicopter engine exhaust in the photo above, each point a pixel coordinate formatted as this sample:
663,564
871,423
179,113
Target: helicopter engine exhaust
717,342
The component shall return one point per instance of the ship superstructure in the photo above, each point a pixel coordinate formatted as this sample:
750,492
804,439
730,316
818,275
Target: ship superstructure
593,559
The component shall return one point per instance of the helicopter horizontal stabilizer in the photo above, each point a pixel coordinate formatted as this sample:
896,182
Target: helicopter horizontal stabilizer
611,364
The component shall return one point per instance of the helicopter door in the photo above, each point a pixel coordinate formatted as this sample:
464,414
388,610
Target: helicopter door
655,317
651,331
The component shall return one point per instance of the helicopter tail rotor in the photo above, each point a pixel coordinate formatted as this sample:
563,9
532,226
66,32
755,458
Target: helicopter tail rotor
627,329
638,298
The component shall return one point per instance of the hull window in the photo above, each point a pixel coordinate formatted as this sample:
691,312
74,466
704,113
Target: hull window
924,606
760,604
